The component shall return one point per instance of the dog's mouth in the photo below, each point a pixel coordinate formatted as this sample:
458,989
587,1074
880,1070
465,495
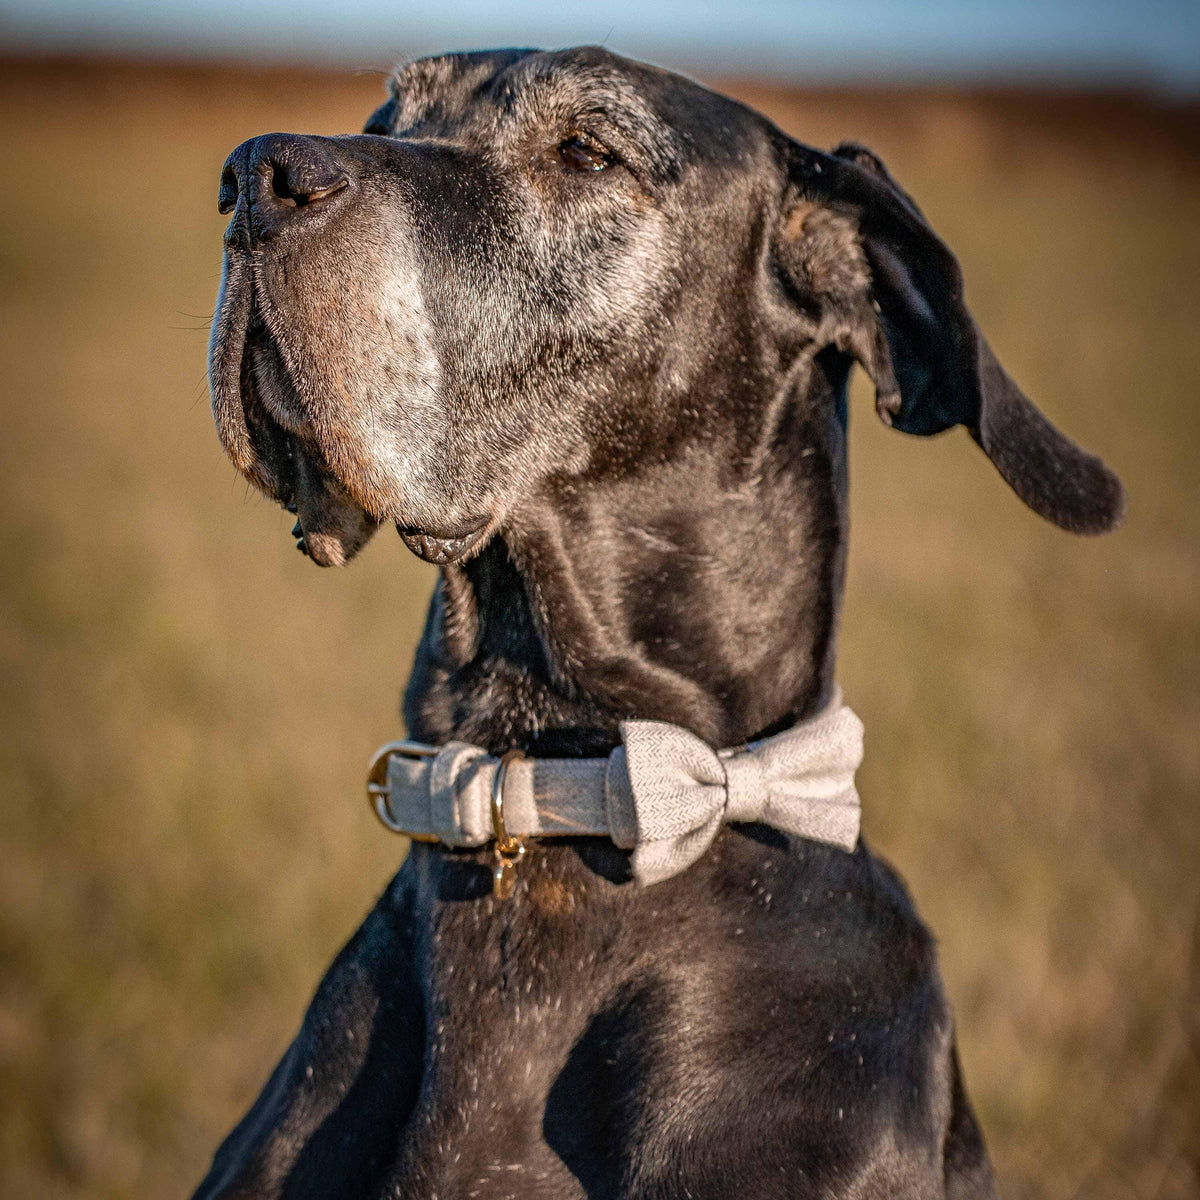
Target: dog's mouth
444,545
283,455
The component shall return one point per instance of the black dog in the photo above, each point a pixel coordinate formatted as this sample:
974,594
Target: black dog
581,330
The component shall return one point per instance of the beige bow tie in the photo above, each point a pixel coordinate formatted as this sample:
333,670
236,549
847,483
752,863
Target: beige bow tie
663,793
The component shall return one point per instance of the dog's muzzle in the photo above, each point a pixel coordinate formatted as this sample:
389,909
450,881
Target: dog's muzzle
663,793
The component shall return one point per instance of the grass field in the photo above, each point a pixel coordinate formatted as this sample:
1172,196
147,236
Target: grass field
187,704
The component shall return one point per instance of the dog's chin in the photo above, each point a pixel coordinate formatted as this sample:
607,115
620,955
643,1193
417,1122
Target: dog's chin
444,546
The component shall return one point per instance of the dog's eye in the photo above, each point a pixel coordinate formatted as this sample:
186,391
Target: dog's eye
582,153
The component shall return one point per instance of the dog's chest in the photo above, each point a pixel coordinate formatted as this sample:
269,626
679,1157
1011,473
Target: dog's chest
510,989
583,1035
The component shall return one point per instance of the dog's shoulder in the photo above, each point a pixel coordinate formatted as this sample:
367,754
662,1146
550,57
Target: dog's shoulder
361,1043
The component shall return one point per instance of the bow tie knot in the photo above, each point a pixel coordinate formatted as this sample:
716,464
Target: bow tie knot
746,787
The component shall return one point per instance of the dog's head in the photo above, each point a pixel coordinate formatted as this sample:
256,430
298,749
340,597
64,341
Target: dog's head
537,266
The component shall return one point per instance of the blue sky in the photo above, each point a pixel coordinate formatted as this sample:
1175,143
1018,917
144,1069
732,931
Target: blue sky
1154,41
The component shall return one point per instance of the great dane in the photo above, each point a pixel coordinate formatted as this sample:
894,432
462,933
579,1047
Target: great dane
580,329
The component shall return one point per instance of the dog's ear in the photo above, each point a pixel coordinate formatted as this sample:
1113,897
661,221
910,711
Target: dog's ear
858,255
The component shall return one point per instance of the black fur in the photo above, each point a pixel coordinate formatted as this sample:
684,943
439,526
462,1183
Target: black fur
582,330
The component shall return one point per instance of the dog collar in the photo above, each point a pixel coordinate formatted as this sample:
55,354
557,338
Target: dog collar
662,793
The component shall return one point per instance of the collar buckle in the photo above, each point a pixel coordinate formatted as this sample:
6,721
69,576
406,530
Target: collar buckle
379,792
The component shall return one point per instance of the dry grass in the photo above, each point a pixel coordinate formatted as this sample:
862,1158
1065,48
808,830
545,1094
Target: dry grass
187,703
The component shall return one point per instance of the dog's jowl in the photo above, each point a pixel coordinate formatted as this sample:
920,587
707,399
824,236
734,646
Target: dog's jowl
580,330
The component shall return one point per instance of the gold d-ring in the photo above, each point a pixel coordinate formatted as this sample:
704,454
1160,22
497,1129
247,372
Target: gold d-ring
508,850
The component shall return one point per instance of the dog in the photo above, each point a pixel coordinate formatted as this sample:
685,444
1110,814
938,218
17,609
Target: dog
580,329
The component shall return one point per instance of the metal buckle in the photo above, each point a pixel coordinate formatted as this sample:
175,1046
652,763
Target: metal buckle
508,850
378,792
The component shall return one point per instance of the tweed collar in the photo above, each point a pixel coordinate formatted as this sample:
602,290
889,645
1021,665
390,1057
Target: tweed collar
662,793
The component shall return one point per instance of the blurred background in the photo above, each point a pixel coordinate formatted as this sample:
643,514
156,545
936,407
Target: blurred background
187,704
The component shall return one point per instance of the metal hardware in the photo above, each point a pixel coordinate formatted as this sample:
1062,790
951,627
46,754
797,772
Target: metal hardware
508,850
378,791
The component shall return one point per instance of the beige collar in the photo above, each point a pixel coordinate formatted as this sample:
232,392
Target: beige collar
663,793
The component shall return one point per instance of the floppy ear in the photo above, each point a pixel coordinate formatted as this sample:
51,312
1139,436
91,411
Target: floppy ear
887,290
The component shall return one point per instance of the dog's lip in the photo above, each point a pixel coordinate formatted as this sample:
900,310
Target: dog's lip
447,544
262,354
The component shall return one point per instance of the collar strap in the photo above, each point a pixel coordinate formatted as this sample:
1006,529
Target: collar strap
663,793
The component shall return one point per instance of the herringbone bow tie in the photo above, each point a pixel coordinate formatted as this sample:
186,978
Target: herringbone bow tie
663,793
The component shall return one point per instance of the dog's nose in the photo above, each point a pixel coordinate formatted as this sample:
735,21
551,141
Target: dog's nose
276,180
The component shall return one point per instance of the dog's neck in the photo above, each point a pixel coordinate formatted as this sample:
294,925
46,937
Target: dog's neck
703,590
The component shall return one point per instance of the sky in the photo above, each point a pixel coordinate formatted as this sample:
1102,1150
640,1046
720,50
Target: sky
1153,42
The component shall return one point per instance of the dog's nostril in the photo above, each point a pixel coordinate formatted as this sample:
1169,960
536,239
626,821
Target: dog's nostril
227,195
281,187
295,194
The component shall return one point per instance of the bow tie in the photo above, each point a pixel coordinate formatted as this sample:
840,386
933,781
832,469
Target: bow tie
663,793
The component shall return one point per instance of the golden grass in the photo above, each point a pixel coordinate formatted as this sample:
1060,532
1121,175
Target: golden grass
188,704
